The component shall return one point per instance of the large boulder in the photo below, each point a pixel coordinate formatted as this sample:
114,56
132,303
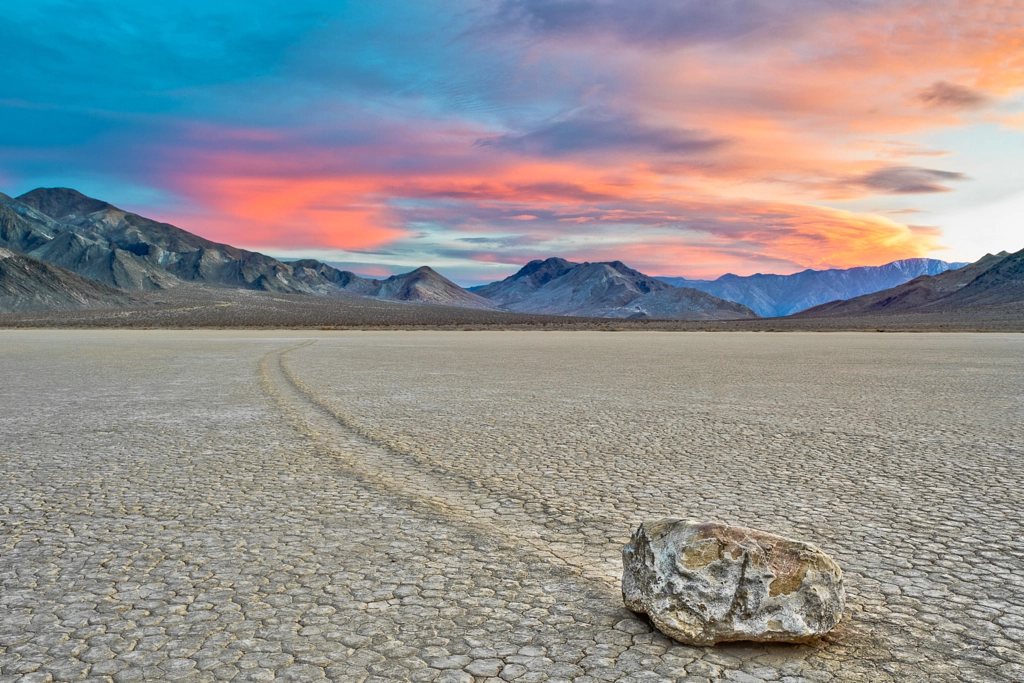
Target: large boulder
706,583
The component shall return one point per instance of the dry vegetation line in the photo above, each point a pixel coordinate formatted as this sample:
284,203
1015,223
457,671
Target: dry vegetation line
393,469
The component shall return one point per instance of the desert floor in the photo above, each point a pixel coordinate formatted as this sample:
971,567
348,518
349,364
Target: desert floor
450,506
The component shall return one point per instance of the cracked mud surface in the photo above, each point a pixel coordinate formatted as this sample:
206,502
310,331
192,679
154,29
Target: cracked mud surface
451,506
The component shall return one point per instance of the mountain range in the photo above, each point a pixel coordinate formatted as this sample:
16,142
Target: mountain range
123,250
62,250
779,295
604,290
993,281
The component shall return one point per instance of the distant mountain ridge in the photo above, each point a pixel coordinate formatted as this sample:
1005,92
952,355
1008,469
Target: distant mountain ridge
101,242
609,290
779,295
992,281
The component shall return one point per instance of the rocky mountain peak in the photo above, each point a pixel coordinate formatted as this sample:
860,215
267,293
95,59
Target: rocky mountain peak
602,289
62,202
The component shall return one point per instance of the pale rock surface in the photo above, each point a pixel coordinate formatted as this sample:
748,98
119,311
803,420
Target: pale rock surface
705,583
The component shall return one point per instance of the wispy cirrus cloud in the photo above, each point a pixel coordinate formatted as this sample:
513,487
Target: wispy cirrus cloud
909,180
662,23
942,94
594,132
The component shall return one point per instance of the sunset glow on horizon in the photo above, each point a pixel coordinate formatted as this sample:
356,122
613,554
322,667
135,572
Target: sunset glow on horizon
683,137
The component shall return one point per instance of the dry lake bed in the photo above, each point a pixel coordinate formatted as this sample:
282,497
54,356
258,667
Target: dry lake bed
450,506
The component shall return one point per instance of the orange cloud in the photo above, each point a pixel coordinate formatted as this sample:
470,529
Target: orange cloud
633,213
820,105
300,213
780,236
715,157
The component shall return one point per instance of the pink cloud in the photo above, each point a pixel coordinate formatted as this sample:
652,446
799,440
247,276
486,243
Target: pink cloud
703,156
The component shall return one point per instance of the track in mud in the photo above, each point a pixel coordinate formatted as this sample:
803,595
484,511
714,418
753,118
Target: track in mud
398,473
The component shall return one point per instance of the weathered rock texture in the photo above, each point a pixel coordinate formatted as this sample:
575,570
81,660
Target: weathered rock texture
705,583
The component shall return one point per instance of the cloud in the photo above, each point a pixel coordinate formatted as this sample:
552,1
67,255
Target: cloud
502,242
944,95
664,22
679,134
908,180
293,193
596,133
664,232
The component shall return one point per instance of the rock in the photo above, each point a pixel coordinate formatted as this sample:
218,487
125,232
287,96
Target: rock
705,583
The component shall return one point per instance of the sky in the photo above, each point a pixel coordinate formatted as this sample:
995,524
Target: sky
683,137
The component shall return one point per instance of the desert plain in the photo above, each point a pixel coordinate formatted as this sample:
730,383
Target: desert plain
450,506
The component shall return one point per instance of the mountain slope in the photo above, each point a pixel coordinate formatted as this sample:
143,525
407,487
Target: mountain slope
23,229
425,285
28,284
61,203
559,287
526,282
1003,283
993,280
682,303
325,279
778,295
154,249
98,260
26,230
